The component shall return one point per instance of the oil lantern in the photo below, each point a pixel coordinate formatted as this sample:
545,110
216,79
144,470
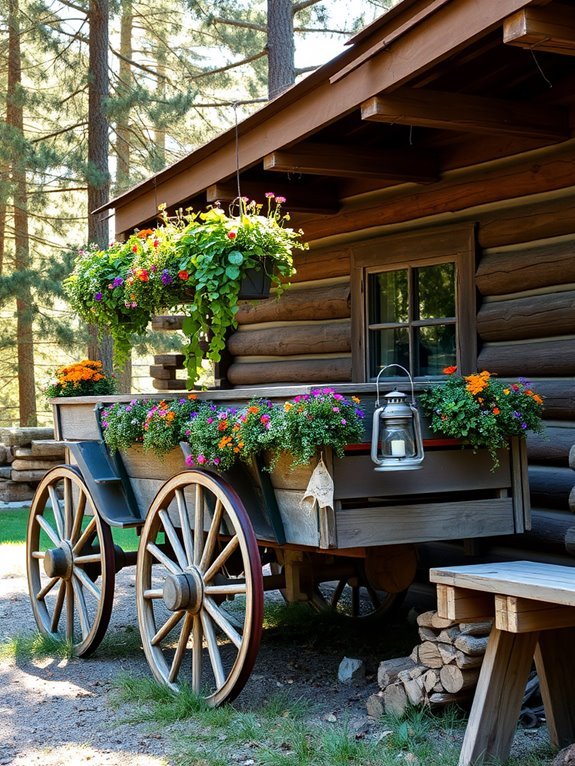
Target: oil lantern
396,443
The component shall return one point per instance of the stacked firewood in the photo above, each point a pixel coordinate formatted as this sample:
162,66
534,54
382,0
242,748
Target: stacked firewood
442,669
25,456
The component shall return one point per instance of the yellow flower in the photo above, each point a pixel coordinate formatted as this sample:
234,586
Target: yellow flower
287,407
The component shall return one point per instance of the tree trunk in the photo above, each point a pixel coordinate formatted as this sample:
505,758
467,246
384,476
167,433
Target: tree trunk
98,175
281,47
24,305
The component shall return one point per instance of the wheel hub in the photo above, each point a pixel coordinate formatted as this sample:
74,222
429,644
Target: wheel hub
59,562
184,591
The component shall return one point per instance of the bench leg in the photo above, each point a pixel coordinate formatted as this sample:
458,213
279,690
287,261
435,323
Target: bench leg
556,670
497,700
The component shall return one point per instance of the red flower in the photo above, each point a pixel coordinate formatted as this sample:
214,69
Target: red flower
449,370
183,275
143,275
134,248
232,234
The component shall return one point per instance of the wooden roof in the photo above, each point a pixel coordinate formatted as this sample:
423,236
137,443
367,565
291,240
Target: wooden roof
431,86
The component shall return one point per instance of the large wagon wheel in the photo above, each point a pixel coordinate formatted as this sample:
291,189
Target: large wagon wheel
70,561
199,591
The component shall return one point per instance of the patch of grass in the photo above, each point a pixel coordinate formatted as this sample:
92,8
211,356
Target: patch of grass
121,643
24,648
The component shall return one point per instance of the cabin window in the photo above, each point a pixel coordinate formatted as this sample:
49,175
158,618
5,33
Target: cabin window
413,302
411,318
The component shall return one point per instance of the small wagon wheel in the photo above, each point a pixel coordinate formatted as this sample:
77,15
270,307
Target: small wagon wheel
70,561
199,587
355,597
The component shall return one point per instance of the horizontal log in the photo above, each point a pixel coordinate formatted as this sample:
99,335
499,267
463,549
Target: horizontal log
538,358
527,269
28,476
23,464
14,492
21,437
170,360
321,264
526,223
455,679
50,448
333,302
537,316
559,398
169,385
5,471
331,370
550,487
471,645
290,340
570,540
389,670
572,457
160,372
552,446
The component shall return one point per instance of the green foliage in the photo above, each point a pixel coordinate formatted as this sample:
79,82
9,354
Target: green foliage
212,435
166,422
482,411
123,424
195,262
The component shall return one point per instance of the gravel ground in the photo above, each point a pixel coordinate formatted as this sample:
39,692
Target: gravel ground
56,712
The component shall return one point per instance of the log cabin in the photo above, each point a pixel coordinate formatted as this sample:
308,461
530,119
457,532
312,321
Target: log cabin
433,160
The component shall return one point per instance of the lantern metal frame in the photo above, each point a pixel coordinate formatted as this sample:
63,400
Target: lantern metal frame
396,463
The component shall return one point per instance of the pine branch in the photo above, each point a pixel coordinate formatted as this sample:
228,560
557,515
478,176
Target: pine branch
230,66
313,30
143,67
304,69
302,5
241,24
59,132
74,7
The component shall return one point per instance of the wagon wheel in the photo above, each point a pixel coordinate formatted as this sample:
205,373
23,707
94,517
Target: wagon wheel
70,561
354,597
200,596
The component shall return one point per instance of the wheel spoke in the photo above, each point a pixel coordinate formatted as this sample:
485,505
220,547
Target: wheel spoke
222,557
231,589
58,607
185,525
69,612
160,556
82,609
90,558
197,650
198,523
47,588
174,539
181,648
50,531
38,555
355,600
169,625
56,510
373,595
218,617
85,536
212,537
68,506
213,649
336,595
87,583
79,515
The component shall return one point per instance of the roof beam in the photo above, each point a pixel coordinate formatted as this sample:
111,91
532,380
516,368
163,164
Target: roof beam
354,162
550,29
302,196
471,114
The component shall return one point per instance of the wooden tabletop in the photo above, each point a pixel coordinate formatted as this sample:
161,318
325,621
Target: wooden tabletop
527,579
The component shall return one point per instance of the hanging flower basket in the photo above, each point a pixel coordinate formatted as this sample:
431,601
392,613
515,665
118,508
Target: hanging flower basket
199,264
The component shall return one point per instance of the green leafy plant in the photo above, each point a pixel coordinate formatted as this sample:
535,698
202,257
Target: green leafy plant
212,435
123,424
194,262
312,422
482,411
85,378
166,422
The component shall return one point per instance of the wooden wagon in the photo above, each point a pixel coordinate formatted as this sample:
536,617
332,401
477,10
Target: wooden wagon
206,538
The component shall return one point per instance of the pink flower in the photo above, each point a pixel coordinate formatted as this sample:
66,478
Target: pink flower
189,460
201,459
269,195
280,200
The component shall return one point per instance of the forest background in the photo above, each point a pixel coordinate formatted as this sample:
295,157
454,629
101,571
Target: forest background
96,95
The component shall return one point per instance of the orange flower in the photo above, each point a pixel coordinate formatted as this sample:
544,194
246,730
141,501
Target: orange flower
478,382
145,233
449,370
222,425
253,410
537,398
496,410
192,396
355,399
183,275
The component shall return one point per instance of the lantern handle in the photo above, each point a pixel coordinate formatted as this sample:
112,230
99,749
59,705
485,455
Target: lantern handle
383,369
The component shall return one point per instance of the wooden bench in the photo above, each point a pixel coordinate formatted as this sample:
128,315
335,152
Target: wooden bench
533,610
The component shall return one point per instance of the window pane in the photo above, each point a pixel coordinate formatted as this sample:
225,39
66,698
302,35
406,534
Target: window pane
388,347
435,349
435,286
388,298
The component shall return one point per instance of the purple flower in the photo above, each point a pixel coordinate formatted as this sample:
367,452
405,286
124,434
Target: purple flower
98,296
343,422
153,267
216,461
209,421
166,277
118,282
189,460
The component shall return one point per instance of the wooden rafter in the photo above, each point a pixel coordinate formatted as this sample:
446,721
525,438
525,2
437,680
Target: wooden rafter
354,162
550,28
302,196
472,114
